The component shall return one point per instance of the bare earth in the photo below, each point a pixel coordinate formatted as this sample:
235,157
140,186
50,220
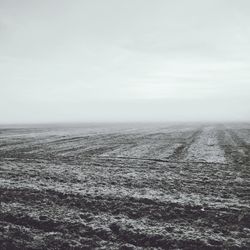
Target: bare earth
125,187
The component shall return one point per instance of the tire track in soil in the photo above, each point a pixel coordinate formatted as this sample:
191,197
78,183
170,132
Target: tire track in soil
180,152
241,153
238,155
236,150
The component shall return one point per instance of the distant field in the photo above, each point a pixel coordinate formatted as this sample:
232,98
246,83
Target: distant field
125,187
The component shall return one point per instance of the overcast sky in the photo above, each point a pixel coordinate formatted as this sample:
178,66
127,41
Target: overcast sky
124,60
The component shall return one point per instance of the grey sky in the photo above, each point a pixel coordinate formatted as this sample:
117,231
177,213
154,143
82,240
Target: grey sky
124,60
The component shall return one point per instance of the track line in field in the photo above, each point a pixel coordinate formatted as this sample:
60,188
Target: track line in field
161,160
127,158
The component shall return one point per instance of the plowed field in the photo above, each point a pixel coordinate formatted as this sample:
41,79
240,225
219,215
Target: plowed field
147,186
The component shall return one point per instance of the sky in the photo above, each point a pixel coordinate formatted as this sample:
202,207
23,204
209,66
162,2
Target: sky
124,60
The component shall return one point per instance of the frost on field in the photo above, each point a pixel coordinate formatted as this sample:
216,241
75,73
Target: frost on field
206,148
139,187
